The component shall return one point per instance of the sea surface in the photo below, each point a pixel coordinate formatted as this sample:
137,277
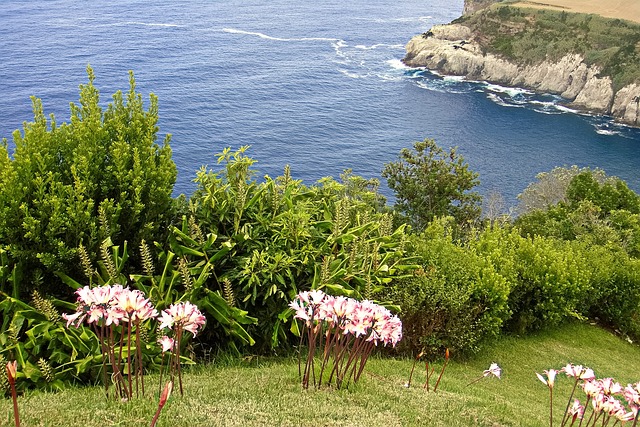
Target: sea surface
316,85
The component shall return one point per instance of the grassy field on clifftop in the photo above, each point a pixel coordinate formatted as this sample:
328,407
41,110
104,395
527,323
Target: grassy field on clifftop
617,9
531,35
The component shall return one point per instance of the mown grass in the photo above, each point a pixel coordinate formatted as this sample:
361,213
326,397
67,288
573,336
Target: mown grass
530,36
266,392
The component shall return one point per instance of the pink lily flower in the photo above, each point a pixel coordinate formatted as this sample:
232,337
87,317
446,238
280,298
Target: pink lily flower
166,343
551,377
577,410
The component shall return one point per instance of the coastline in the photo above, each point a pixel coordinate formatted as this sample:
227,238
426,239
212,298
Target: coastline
455,49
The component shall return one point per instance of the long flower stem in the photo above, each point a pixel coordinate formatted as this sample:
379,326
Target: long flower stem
120,375
14,397
299,354
129,376
179,366
363,360
550,406
444,366
411,373
139,371
103,348
586,405
565,417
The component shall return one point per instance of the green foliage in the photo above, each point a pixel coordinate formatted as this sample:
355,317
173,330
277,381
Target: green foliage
283,237
548,279
550,188
455,301
588,207
429,182
613,194
598,219
49,355
100,175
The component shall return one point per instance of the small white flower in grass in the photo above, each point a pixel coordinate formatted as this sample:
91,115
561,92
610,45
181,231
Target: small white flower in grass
494,370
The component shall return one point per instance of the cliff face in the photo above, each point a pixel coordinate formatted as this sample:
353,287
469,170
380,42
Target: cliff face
451,50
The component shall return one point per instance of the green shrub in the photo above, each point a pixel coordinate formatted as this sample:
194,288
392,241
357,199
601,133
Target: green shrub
548,279
615,281
455,301
100,175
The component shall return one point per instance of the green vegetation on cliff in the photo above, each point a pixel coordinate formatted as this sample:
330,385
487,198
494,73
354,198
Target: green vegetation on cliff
530,36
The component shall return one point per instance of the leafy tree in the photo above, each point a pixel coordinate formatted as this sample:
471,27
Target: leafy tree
612,194
550,188
429,182
100,175
585,205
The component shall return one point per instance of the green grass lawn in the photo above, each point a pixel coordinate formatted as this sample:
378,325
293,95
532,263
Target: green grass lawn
266,392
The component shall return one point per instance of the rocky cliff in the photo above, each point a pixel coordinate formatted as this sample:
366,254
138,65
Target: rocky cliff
451,49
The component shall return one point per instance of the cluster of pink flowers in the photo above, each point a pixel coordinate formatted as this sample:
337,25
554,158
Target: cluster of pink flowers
358,318
602,394
182,315
107,305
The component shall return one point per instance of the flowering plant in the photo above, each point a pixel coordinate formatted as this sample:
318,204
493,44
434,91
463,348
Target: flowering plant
603,394
343,331
117,314
174,321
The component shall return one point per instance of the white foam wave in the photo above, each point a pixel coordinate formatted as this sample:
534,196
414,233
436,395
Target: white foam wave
397,64
406,19
511,91
376,46
606,131
389,78
439,86
283,39
495,98
454,78
144,24
352,75
565,109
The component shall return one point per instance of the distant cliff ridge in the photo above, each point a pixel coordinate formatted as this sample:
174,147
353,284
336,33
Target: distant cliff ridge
496,47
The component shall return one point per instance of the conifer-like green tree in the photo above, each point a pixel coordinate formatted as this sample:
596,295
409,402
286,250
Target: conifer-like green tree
429,182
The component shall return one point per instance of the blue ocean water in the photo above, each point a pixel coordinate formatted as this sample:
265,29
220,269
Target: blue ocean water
317,85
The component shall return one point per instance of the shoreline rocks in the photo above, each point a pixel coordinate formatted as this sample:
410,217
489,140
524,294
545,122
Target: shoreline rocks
450,49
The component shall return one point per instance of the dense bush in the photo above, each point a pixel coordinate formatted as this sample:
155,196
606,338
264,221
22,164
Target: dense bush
547,277
454,301
588,206
615,284
100,175
284,237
